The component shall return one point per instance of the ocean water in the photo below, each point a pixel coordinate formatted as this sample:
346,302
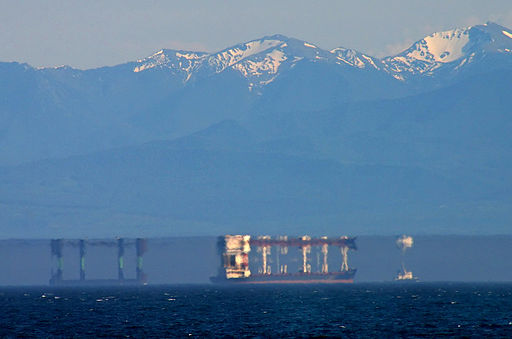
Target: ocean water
352,311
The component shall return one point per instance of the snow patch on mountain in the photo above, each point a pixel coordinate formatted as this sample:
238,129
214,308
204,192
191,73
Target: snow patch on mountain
430,53
354,58
269,64
441,47
227,58
451,50
262,61
507,34
182,63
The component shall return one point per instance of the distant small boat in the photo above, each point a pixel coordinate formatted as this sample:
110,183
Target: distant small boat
405,276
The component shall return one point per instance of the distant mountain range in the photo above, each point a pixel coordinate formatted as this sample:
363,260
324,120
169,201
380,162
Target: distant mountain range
274,135
264,60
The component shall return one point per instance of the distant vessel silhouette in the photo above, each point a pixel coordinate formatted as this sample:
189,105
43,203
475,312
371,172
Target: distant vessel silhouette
57,277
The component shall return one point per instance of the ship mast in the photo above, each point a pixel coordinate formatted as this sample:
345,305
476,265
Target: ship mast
283,250
344,255
265,251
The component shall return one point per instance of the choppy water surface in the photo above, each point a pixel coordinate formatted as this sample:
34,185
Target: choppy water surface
360,310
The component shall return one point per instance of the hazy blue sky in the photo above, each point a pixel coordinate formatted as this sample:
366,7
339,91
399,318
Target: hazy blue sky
92,33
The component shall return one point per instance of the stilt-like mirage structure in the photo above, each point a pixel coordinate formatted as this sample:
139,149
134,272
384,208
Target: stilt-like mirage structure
403,243
57,275
273,259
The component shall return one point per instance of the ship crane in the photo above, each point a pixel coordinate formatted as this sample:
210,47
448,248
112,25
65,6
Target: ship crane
344,255
283,250
265,250
306,249
325,252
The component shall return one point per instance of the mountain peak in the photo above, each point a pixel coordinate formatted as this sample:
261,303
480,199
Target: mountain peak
492,25
492,37
355,58
177,61
277,36
458,45
448,46
445,46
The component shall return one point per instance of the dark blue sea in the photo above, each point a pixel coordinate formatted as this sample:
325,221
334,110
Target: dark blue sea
352,311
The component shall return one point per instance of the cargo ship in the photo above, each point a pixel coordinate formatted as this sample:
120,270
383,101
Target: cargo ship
265,260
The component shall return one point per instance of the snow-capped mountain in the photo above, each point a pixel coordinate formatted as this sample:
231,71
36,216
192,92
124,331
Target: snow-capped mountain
182,63
261,61
274,74
454,49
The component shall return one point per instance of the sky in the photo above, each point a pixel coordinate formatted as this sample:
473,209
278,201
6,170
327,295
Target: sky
93,33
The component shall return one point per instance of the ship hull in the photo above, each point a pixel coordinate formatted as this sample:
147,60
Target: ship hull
346,277
406,281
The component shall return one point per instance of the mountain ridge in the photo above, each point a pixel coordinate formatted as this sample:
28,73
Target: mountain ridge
265,55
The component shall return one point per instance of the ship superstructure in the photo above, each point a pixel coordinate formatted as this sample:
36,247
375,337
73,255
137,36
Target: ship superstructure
283,259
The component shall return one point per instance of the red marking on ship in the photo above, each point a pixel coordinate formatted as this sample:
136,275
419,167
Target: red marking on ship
312,281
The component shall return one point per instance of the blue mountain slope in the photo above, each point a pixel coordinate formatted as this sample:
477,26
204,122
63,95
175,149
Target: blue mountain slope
230,191
56,112
459,125
439,162
270,136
